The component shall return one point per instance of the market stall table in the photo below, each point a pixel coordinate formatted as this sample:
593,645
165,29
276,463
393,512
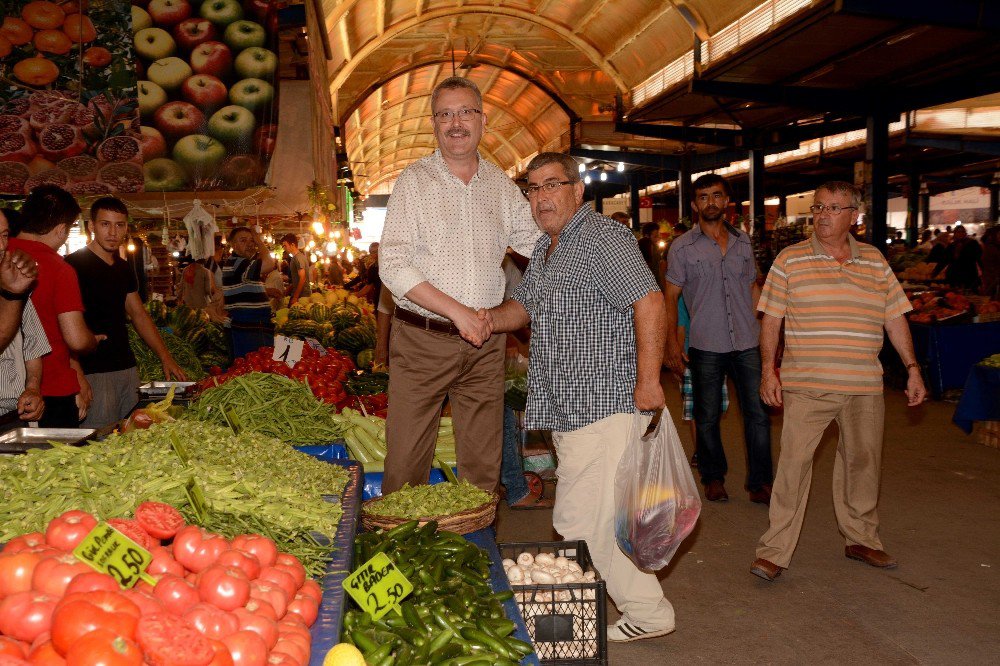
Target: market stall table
980,399
949,351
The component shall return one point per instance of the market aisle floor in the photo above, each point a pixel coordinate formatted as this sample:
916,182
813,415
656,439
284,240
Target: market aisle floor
940,511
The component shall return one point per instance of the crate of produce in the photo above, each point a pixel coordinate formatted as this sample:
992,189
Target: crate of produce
567,621
457,507
988,433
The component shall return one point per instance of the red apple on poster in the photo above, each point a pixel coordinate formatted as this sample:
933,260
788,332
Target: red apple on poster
152,143
168,13
193,32
177,119
205,91
213,58
257,8
265,139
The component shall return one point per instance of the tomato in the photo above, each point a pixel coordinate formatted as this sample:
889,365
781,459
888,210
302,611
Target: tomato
211,621
293,627
163,562
24,615
68,530
44,654
262,547
16,571
176,594
291,564
12,661
222,656
215,371
291,648
133,530
168,640
305,607
282,659
53,574
261,607
281,578
261,625
311,588
247,562
104,648
270,594
24,542
147,603
160,520
198,549
79,614
91,581
11,647
226,587
246,648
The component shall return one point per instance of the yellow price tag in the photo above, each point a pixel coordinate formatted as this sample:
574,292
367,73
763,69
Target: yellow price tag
109,551
378,586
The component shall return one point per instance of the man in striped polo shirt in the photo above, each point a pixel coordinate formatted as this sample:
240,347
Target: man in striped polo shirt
835,296
243,291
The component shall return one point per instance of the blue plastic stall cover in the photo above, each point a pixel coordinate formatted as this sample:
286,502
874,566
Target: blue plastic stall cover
326,630
486,539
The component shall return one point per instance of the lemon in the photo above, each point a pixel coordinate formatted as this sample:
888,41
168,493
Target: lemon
344,654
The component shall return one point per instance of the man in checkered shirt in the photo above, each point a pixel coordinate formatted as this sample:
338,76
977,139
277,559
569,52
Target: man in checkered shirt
597,339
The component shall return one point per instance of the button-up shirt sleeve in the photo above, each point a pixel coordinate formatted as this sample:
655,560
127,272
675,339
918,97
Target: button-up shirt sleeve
525,292
774,296
35,344
620,271
675,264
522,232
396,249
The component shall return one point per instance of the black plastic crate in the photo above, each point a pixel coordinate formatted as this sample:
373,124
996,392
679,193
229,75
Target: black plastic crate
567,622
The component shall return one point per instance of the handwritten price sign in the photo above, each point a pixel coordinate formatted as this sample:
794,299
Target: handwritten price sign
109,551
378,586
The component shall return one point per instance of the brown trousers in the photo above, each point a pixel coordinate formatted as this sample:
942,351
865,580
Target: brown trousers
426,366
856,469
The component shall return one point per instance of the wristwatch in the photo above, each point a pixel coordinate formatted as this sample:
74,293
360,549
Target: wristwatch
11,296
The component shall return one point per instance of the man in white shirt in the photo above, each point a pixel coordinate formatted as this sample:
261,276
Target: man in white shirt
449,222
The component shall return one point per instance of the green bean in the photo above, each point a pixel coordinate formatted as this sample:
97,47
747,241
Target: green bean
441,499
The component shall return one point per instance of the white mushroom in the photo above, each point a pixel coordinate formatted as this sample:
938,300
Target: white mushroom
575,567
545,559
589,594
590,576
544,597
525,559
515,574
562,595
542,576
562,562
507,563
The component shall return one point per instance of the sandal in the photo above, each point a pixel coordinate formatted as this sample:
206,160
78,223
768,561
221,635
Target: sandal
532,501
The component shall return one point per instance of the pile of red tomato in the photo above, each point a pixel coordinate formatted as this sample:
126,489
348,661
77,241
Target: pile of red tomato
215,602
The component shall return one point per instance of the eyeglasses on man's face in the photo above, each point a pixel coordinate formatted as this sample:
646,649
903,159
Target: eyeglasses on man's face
832,209
531,191
465,115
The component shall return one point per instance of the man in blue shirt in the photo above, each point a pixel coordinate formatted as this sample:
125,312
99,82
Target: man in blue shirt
597,330
713,265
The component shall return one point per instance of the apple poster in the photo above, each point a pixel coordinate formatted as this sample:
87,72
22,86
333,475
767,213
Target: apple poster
113,96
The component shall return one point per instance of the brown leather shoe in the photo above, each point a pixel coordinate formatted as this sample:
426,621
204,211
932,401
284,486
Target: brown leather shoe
875,558
765,569
715,491
761,496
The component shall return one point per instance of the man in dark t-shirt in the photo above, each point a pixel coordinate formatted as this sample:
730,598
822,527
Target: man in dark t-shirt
111,298
298,267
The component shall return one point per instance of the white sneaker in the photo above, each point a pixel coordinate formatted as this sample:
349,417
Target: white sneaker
624,632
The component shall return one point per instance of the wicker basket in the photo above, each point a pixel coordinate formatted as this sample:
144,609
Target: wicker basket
462,522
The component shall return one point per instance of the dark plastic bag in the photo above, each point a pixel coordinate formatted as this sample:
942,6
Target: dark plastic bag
656,500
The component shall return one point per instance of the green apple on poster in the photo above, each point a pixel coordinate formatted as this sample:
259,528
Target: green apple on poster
222,12
256,63
154,43
169,73
164,175
200,155
245,34
252,94
151,98
233,125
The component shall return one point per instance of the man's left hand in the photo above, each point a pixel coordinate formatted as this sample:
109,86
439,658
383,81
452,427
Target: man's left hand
30,405
172,371
916,392
17,271
648,396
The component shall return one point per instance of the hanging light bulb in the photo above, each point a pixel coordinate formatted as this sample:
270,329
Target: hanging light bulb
586,179
604,176
331,247
350,256
621,166
313,257
580,167
130,247
336,233
318,227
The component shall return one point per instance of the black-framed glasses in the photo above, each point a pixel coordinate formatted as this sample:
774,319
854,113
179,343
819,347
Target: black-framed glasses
532,190
465,115
833,209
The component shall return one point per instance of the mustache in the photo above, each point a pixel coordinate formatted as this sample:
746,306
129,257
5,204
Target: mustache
457,132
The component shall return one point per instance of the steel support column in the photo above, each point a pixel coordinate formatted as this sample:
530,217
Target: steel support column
598,200
756,179
633,200
684,192
994,202
913,210
877,155
925,208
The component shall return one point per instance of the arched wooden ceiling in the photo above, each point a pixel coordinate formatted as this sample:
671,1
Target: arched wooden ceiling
541,64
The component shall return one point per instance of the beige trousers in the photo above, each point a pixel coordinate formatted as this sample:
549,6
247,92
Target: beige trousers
426,367
585,509
856,469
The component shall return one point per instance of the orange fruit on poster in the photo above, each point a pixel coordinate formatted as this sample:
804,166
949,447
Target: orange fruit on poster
5,47
16,31
43,15
73,6
52,41
79,28
97,56
36,71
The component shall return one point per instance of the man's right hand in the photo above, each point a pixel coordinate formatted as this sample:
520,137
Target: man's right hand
473,329
770,389
17,271
675,359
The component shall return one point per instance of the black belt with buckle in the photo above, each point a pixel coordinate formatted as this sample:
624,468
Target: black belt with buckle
425,323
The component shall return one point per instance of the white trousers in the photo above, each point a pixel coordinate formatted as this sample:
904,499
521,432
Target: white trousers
585,509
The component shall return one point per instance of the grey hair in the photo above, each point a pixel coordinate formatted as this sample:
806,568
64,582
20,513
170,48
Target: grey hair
457,83
843,187
569,165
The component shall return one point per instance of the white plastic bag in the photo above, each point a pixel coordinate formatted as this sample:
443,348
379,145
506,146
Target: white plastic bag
656,500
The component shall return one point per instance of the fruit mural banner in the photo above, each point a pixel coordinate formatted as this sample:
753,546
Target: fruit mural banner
68,107
207,75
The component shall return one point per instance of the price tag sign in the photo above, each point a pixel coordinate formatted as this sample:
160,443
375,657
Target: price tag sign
378,586
287,349
314,343
109,551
